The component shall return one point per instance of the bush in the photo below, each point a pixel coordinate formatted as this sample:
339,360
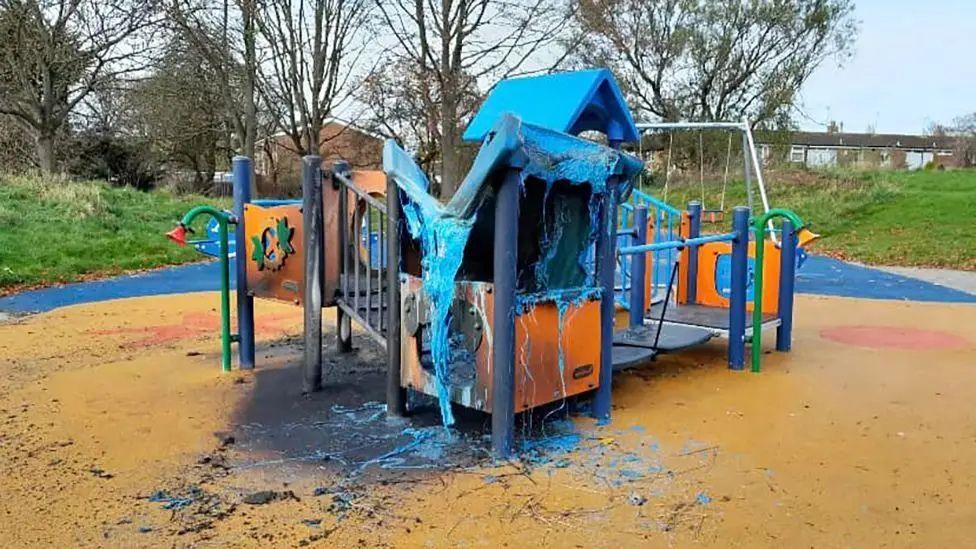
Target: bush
118,160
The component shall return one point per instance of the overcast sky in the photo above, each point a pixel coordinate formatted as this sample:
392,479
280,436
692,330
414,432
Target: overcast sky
915,63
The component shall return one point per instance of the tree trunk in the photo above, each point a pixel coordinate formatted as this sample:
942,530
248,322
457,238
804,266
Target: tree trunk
250,75
45,153
450,140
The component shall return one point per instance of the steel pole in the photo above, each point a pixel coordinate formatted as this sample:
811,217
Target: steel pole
395,394
638,264
787,278
346,242
694,230
606,258
313,229
606,267
739,282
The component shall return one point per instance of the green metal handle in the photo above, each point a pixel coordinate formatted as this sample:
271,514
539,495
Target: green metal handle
223,220
759,225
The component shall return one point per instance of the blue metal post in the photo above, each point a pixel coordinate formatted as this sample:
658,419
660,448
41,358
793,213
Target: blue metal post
637,268
606,263
345,241
737,299
242,175
787,275
503,321
694,231
396,396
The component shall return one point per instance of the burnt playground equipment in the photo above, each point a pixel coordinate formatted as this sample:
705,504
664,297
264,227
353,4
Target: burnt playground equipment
532,322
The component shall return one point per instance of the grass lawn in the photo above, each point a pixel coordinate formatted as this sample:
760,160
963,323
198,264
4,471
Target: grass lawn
55,230
922,218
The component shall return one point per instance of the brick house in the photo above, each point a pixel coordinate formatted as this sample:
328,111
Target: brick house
864,150
278,165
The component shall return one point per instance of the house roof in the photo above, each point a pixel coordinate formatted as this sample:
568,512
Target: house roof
868,140
569,102
332,121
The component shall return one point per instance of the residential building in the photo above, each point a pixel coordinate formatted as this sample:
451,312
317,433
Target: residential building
279,163
866,150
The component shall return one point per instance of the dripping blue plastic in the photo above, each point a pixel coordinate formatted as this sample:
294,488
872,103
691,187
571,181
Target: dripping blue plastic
542,156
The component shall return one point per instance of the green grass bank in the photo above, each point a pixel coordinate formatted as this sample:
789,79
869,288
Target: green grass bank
55,230
921,218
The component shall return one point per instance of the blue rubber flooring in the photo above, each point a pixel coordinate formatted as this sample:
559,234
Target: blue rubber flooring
196,277
819,275
827,276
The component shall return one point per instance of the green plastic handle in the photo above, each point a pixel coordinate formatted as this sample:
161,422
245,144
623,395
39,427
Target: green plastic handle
759,226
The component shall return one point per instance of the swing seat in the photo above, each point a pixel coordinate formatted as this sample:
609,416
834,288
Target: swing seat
713,216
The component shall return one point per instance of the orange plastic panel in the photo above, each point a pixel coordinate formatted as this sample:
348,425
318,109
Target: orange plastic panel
540,376
708,294
708,255
277,270
372,182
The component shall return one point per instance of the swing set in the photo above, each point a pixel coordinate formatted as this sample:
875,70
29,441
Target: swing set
751,168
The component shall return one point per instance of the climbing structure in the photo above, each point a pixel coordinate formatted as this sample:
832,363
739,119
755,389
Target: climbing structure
504,298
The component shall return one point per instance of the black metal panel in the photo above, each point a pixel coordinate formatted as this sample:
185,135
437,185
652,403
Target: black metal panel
716,318
672,338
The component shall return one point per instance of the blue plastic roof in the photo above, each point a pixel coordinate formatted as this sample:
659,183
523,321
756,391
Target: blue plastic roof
570,102
540,152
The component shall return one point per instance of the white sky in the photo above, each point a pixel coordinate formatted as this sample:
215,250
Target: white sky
914,64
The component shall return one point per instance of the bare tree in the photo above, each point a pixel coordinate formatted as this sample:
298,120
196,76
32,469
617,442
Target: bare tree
713,60
399,109
451,46
225,35
54,53
963,129
178,109
314,50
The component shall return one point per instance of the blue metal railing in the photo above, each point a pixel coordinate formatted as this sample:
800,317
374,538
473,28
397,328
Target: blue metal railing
666,221
677,244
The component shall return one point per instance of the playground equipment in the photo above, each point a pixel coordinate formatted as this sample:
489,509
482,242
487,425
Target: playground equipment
752,169
178,235
532,322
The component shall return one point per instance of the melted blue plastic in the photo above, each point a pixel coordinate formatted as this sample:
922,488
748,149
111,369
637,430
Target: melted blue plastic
442,241
544,157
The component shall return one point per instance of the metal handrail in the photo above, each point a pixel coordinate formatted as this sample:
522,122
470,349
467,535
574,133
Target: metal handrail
677,244
760,223
224,219
360,193
355,300
656,202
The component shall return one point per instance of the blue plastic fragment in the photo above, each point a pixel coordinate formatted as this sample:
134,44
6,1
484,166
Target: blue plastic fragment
171,502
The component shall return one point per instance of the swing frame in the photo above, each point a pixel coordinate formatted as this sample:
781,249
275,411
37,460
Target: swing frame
751,165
